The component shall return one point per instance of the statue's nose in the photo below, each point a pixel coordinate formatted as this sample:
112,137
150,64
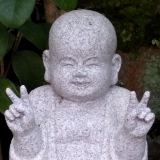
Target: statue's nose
80,71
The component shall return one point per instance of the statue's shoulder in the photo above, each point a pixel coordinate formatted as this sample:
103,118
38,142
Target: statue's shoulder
42,100
120,92
42,93
120,98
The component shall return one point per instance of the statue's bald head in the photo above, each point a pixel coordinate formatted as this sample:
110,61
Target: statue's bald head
83,30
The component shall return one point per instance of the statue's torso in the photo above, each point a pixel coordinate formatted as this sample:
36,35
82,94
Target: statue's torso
78,133
79,130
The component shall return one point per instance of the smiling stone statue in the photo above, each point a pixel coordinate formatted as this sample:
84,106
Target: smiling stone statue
81,114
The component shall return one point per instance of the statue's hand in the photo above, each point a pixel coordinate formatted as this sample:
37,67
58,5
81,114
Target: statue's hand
139,117
19,117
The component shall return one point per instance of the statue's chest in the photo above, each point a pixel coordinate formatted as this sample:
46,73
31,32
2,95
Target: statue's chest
80,134
73,124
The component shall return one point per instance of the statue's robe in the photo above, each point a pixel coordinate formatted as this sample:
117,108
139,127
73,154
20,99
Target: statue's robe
44,101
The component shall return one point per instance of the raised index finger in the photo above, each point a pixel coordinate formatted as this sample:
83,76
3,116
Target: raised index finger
145,98
12,96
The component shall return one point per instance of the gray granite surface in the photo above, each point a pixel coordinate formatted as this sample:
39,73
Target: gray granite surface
81,114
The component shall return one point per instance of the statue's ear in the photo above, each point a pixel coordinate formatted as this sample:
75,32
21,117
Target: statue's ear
116,65
46,62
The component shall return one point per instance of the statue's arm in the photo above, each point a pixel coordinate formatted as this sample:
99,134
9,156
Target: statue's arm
126,147
28,134
30,147
130,142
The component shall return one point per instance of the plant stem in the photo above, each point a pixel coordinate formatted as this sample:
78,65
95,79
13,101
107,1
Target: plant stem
7,70
16,44
51,11
2,67
9,30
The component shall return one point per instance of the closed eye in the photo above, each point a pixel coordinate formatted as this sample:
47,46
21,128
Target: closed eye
67,62
92,62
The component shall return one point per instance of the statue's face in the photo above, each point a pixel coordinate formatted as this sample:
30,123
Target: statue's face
80,75
81,66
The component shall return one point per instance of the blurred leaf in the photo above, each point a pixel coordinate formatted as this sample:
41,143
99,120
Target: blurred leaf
34,33
17,87
6,42
13,13
29,68
11,41
2,26
155,41
46,28
66,5
5,102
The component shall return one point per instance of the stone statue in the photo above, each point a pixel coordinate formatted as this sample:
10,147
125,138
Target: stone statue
81,114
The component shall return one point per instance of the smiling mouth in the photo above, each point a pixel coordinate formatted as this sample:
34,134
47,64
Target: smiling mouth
80,84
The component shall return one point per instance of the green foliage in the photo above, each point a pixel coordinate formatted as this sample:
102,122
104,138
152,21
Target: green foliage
5,101
13,13
17,25
67,5
156,42
29,69
151,82
125,37
45,27
6,41
35,34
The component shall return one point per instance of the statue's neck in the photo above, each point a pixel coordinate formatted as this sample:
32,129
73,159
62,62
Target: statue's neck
94,103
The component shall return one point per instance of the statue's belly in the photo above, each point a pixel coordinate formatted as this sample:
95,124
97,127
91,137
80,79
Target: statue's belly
79,142
78,150
79,135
